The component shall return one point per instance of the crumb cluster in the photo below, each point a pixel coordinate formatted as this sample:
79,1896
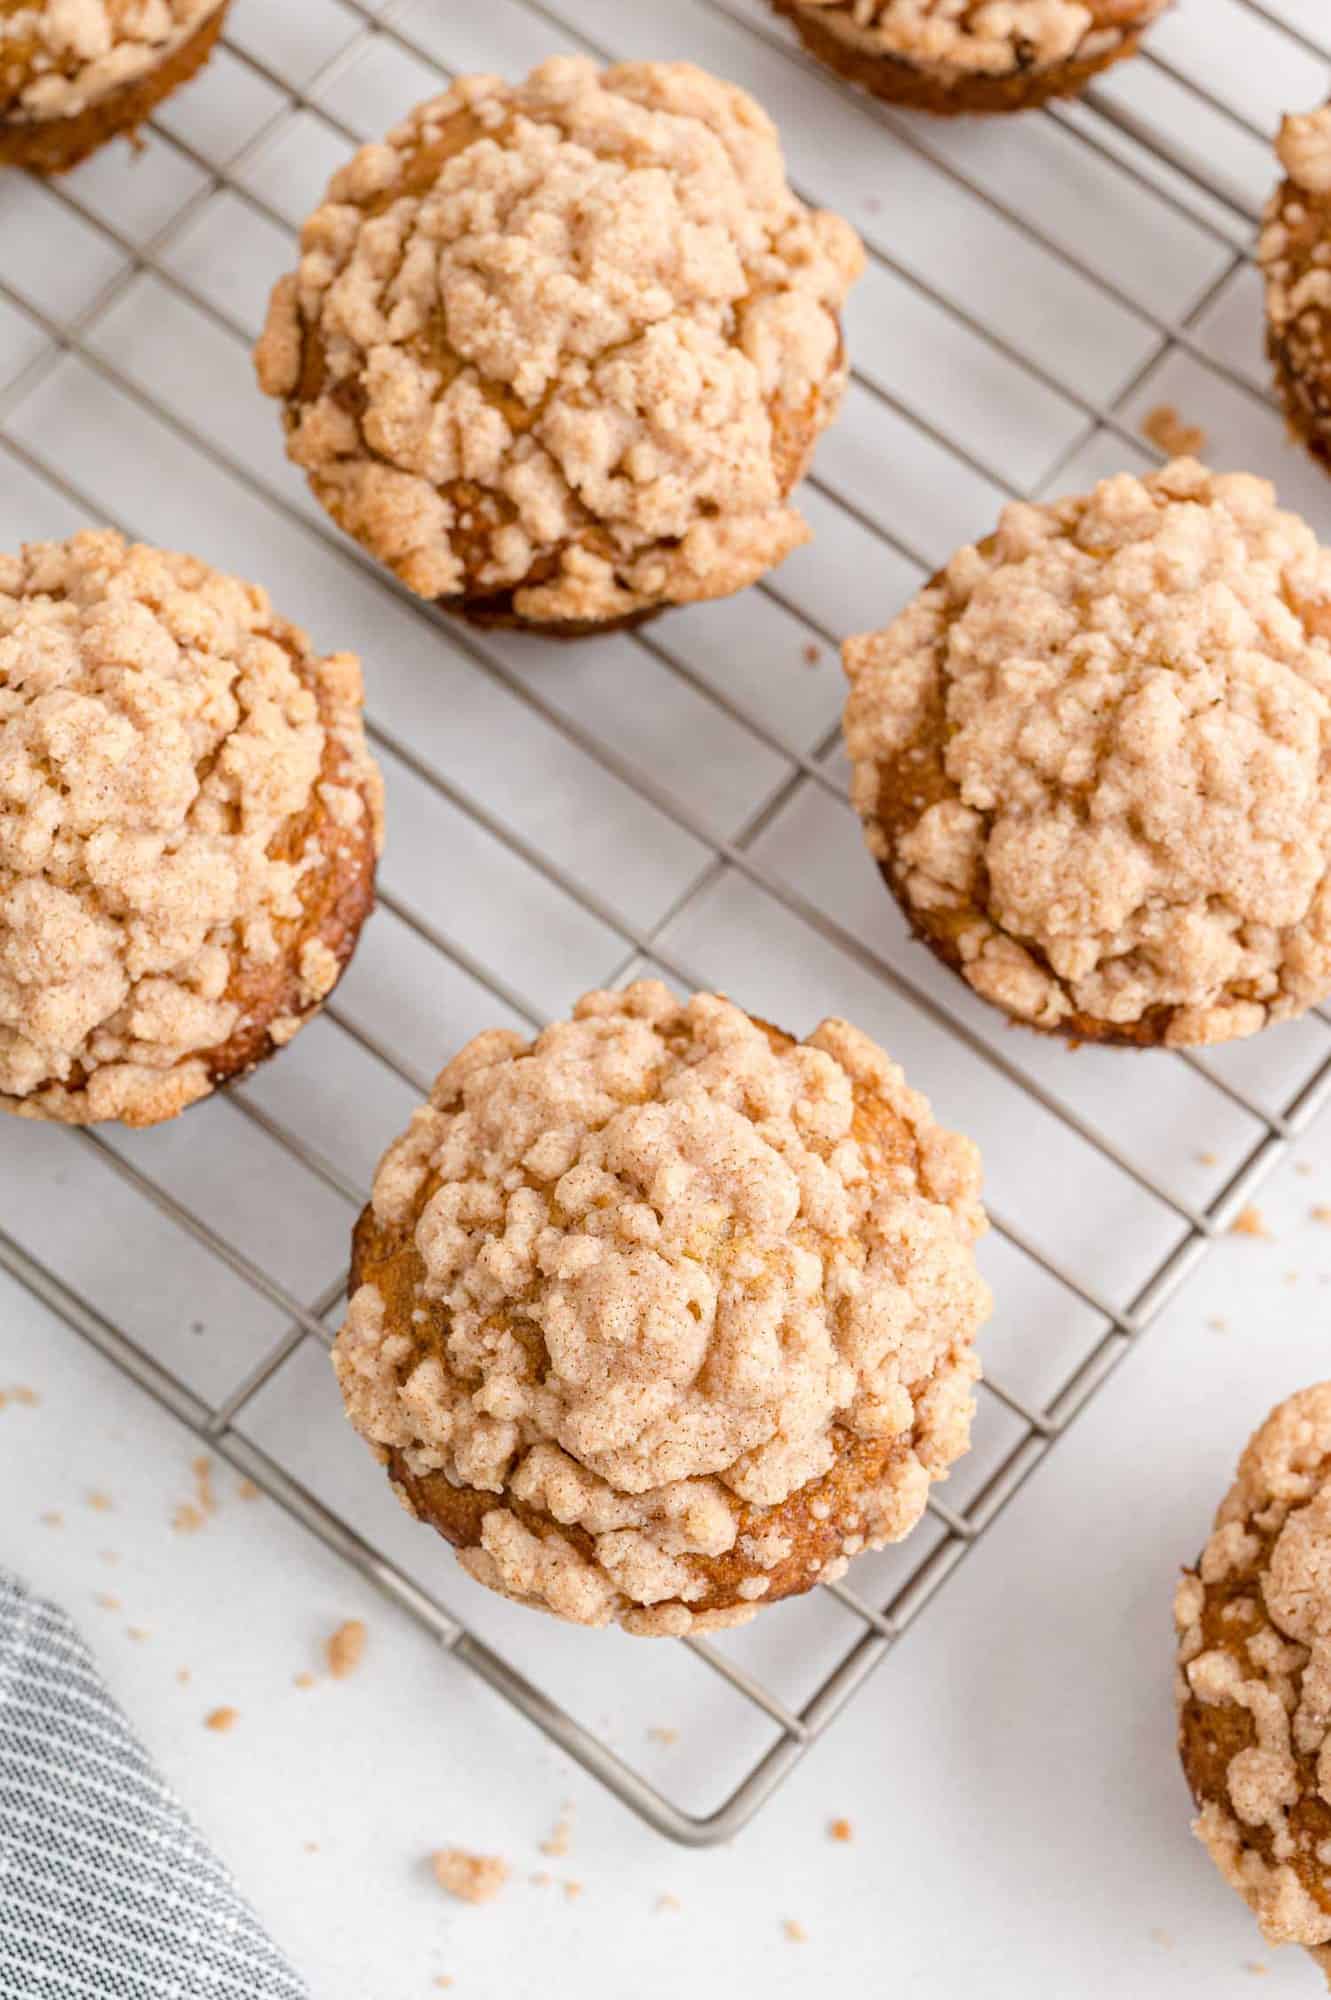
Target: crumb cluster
183,782
665,1312
59,56
985,37
565,345
473,1878
1254,1686
1294,252
1094,759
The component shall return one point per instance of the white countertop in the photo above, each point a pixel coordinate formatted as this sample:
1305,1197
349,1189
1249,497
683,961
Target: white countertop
1020,1824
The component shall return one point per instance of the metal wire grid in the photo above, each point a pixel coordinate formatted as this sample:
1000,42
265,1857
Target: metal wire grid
1227,215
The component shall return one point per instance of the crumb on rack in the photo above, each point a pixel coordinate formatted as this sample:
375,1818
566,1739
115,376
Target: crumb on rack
1163,1939
184,1676
221,1720
1249,1222
107,1602
346,1648
1218,1325
560,1838
1256,1968
541,1879
668,1902
1208,1159
111,1556
247,1490
795,1931
472,1878
812,654
572,1890
138,1633
303,1680
1303,1167
1165,428
52,1518
21,1394
205,1497
444,1981
840,1829
311,1847
1320,1211
99,1502
187,1520
660,1734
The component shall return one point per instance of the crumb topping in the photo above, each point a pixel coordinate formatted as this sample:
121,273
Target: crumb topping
991,37
59,56
554,339
670,1271
1303,148
1170,433
1093,755
1254,1625
1294,253
473,1878
162,736
345,1648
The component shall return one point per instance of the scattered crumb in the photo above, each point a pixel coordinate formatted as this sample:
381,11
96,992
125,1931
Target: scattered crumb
573,1890
542,1879
1256,1968
1249,1222
111,1556
1218,1325
1163,1939
187,1520
345,1649
107,1602
795,1931
1291,1277
311,1847
100,1502
668,1902
659,1735
304,1681
20,1394
247,1490
138,1632
221,1719
1165,427
840,1829
53,1518
473,1878
1320,1211
1208,1160
184,1676
444,1981
812,655
561,1839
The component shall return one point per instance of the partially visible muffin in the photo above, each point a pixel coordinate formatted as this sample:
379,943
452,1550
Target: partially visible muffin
1093,760
189,820
664,1315
1254,1677
1294,251
970,55
75,73
558,352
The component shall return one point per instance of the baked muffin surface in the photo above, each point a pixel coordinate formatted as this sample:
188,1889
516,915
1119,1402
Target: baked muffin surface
557,352
1093,759
189,820
1254,1677
666,1314
1294,252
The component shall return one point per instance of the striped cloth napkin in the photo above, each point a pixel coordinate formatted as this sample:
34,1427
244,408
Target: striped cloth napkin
107,1891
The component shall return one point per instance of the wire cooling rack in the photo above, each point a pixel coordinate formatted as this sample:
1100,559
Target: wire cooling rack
673,801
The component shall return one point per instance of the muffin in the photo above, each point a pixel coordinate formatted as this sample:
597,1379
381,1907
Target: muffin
557,353
1254,1678
665,1315
189,821
1294,251
970,55
1093,761
75,73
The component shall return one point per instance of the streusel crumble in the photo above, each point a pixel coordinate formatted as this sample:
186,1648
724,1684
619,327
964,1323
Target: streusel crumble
189,821
558,352
1093,760
1294,251
75,73
970,55
1254,1677
665,1315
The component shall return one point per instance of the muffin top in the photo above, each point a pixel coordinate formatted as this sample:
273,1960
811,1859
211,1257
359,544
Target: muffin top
665,1267
58,56
175,762
570,339
1254,1624
1092,757
990,37
1295,244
